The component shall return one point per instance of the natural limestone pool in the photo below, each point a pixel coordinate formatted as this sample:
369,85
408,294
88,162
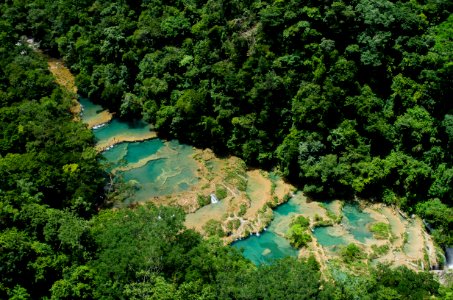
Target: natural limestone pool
169,170
271,244
163,168
166,167
158,167
117,128
356,222
266,247
89,110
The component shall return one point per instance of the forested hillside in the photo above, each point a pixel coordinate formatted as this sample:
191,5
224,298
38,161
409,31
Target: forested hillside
346,98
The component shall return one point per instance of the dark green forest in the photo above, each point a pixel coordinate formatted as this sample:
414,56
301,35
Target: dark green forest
345,98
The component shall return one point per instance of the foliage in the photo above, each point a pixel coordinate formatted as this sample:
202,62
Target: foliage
242,209
380,230
384,282
221,192
351,253
203,200
346,98
233,224
379,250
285,279
51,182
297,233
439,216
302,221
131,240
213,228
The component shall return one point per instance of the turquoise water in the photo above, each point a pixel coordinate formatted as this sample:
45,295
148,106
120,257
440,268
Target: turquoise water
116,155
270,245
117,127
327,238
283,215
170,167
90,110
174,172
123,154
357,221
265,248
140,150
167,168
286,209
329,206
354,221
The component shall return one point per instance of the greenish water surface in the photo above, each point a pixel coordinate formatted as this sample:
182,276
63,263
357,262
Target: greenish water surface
265,248
116,128
172,172
165,167
357,221
140,150
115,156
271,245
327,238
90,110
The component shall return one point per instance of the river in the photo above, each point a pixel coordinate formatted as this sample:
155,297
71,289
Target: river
170,173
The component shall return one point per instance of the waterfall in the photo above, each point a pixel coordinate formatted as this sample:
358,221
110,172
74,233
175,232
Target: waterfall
449,258
99,126
214,199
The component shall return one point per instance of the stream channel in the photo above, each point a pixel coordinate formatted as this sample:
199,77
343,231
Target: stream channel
161,168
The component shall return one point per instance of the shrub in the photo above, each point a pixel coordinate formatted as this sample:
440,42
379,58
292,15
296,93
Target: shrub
203,200
297,233
298,236
301,221
380,230
379,250
214,227
351,253
242,209
221,192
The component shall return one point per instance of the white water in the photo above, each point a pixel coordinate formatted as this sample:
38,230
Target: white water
449,257
214,199
99,126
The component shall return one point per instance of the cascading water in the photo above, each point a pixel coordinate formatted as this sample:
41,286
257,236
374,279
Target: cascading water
155,165
449,258
214,199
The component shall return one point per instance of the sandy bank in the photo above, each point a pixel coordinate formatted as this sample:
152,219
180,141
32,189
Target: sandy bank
101,146
259,192
103,117
66,80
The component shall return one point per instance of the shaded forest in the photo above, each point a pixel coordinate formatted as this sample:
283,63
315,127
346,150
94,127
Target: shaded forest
345,98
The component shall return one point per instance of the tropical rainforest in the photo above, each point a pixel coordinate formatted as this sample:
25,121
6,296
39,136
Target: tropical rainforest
344,98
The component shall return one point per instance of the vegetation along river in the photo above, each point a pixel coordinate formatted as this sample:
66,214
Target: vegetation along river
252,209
226,150
158,169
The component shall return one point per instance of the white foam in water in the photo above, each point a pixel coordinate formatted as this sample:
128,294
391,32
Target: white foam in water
214,199
449,257
99,126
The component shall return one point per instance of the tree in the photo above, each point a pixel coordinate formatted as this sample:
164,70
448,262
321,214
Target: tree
298,234
132,240
285,279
